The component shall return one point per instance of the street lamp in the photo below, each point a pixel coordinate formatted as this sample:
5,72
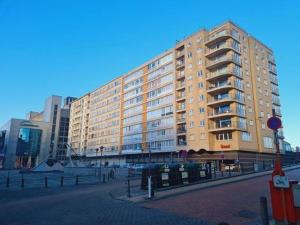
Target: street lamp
101,151
97,150
150,190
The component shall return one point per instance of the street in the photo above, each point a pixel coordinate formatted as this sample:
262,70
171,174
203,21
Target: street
235,203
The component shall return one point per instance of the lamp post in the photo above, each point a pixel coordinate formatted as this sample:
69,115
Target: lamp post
101,151
150,191
97,149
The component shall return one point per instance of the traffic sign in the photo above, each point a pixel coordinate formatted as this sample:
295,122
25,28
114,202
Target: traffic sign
274,123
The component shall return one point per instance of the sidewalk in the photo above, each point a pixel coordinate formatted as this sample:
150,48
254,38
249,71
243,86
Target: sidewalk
160,194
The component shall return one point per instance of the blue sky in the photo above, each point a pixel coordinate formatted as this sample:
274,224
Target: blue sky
68,47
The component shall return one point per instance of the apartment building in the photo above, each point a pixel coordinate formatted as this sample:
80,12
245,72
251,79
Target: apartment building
213,92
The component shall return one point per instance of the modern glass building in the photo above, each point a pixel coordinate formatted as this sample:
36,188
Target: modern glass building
28,146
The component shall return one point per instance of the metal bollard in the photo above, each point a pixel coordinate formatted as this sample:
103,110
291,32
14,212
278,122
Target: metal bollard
264,214
7,182
103,178
128,189
46,182
77,180
22,182
61,181
108,177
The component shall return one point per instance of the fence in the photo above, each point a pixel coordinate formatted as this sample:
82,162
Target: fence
137,183
16,180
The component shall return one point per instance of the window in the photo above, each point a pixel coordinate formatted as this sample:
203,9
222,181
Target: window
199,73
246,136
200,85
224,136
192,124
191,100
200,62
268,142
191,112
201,97
202,123
190,54
201,110
251,122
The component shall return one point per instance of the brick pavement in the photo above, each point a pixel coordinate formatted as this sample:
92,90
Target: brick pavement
85,205
237,203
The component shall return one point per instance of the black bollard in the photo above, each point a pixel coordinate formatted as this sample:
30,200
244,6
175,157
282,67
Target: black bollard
128,189
103,178
77,180
264,214
22,182
46,182
7,182
61,181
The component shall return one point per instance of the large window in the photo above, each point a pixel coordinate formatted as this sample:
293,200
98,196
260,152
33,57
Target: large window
246,136
29,142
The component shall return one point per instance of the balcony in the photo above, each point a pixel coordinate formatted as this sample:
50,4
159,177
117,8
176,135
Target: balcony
179,54
223,86
222,73
180,97
276,101
273,79
213,64
225,113
219,36
226,125
180,108
220,100
273,70
278,112
180,75
180,85
180,120
181,130
222,48
180,64
275,91
181,141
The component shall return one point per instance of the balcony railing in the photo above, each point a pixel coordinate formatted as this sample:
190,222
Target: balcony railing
276,101
180,75
273,70
220,34
179,54
273,79
228,84
226,98
216,113
179,64
180,85
227,125
180,96
181,130
224,72
180,119
181,107
182,143
225,45
226,58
